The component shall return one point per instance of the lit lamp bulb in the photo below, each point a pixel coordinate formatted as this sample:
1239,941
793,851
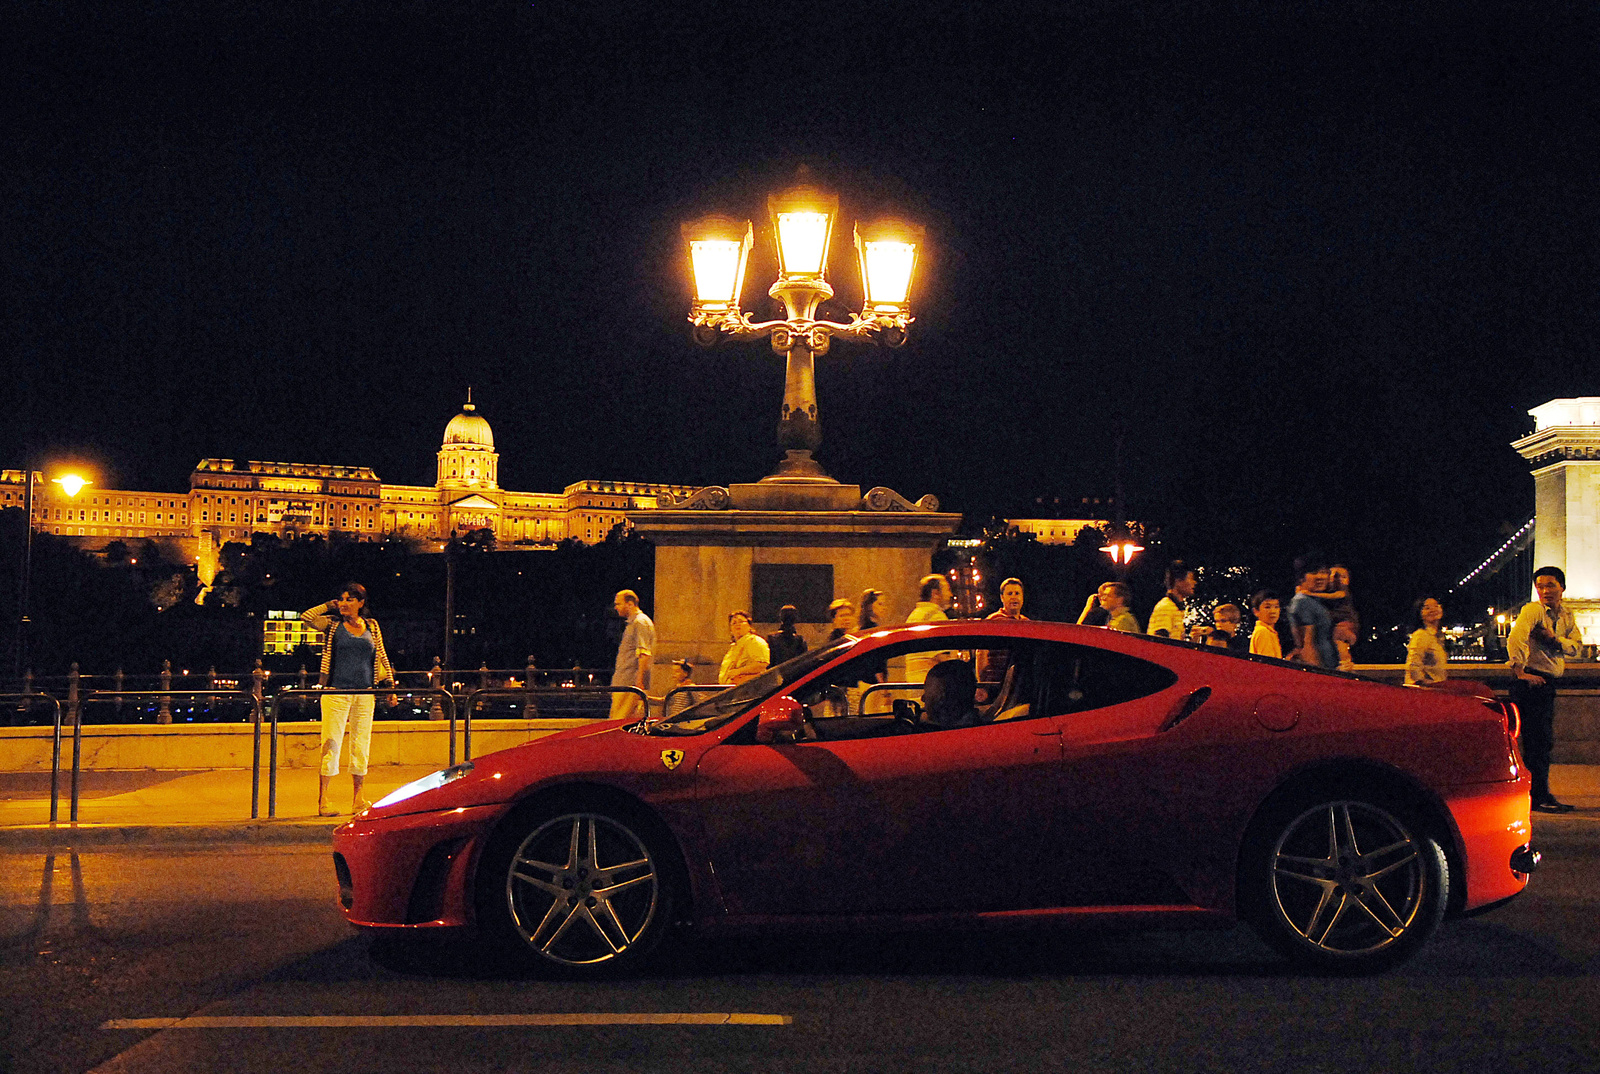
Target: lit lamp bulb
71,484
1122,551
887,251
719,248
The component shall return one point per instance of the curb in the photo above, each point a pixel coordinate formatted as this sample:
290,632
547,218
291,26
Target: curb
74,836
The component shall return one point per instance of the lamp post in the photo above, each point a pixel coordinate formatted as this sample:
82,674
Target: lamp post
803,217
71,484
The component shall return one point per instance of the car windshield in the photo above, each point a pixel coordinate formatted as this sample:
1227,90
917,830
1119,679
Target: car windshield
718,709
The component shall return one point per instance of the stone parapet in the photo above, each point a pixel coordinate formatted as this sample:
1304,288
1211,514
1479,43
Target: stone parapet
200,746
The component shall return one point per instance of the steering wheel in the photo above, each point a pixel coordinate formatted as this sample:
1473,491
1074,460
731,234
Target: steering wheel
907,714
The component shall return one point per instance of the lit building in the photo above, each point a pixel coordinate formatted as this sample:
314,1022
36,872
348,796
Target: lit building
228,500
1564,451
1046,518
1055,530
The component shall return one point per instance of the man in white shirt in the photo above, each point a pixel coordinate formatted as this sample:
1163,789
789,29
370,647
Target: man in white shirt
1541,640
633,655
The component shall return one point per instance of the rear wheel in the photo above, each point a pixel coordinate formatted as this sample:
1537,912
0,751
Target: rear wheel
580,892
1344,884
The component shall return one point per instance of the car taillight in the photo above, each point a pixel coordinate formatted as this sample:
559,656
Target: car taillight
1512,717
1511,723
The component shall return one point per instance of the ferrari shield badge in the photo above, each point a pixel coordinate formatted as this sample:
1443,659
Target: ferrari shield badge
671,758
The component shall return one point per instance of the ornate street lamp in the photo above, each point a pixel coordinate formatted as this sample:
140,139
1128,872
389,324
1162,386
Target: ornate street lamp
802,223
71,484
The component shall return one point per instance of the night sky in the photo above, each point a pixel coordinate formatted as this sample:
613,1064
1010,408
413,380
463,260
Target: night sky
1314,261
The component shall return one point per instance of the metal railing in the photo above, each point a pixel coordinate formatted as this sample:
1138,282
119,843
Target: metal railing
446,700
166,696
690,688
531,699
31,699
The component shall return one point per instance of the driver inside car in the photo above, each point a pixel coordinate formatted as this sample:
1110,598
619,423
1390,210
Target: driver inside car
948,695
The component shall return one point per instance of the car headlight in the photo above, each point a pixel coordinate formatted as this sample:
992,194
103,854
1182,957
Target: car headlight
426,783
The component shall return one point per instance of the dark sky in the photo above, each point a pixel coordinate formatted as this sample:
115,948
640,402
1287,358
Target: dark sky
1315,260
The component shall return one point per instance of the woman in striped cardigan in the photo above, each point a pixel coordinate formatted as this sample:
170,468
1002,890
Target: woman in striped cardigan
353,658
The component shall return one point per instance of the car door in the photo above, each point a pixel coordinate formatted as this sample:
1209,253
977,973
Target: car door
1123,775
927,821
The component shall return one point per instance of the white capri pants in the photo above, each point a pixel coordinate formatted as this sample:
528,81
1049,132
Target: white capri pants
337,709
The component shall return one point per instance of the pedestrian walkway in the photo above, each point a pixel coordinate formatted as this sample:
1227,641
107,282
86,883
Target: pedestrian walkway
155,805
162,806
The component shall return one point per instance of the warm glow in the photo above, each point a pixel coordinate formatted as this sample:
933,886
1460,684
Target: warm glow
887,269
1122,551
803,242
716,271
71,484
719,247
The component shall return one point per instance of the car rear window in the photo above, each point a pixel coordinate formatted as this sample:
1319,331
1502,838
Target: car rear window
1077,678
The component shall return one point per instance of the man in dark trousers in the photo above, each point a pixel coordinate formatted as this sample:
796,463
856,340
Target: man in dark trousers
1541,640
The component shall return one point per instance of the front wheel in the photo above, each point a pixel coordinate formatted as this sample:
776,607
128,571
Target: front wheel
1343,884
576,892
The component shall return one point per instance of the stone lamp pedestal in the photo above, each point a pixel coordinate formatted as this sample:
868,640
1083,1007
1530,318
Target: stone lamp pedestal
803,539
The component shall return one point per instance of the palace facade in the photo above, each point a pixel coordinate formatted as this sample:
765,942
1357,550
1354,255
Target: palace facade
228,500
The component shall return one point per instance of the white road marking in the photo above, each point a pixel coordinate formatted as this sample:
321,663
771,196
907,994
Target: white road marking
391,1021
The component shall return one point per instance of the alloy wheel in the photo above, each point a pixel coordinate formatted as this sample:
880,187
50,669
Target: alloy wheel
582,889
1349,878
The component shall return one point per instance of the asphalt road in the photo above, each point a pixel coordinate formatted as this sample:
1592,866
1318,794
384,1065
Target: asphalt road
166,933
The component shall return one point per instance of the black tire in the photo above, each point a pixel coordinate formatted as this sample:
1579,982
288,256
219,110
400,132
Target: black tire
1341,882
577,891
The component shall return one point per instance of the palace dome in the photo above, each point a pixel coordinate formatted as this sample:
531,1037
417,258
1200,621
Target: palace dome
467,428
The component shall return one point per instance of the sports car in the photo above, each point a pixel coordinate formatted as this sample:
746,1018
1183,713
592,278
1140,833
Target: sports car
971,774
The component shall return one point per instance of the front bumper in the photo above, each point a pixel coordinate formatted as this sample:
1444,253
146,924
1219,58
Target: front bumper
411,871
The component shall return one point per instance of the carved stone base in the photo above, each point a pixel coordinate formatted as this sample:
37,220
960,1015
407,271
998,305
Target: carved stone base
799,466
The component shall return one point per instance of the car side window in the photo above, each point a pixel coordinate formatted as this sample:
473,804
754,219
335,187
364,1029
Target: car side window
843,704
1078,678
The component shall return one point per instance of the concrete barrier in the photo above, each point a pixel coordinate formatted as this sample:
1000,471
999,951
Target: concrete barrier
200,746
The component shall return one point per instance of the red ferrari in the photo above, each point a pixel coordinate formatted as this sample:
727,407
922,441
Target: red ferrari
1036,772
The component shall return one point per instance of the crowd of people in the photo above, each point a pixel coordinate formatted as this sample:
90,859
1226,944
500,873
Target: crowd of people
1317,627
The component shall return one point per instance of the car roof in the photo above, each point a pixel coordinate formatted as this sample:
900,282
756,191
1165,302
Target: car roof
1052,630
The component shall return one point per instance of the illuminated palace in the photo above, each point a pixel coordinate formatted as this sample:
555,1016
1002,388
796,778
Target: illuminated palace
228,500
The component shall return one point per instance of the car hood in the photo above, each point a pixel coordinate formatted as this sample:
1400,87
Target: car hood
605,753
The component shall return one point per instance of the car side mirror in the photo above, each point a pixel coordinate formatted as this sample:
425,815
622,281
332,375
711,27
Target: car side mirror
780,720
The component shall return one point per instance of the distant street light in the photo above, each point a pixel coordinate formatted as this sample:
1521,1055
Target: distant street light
1122,551
802,222
71,484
